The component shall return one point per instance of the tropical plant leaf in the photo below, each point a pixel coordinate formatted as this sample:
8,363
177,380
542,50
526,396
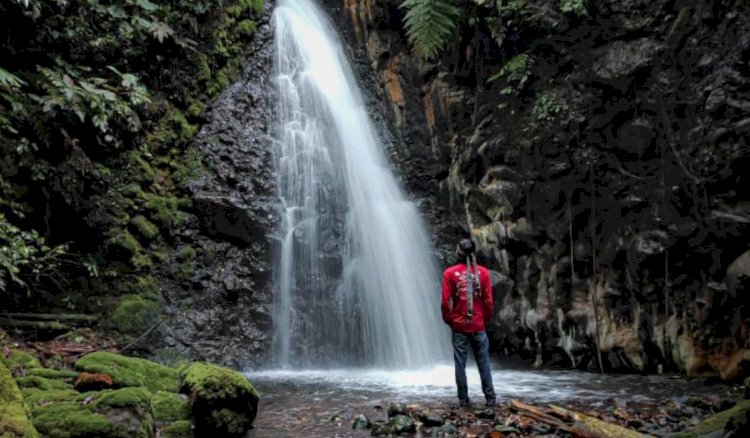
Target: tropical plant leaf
429,24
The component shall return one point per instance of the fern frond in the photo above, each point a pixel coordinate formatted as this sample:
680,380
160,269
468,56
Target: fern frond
9,80
429,23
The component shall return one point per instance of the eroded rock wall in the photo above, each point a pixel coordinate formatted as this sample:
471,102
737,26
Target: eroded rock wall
605,182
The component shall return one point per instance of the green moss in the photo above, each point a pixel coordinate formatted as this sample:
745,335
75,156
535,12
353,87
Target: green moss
248,6
213,382
188,168
196,108
204,69
34,396
185,253
144,227
142,170
109,413
185,129
147,286
163,210
14,414
234,423
246,27
178,429
123,241
21,359
168,406
42,383
134,315
221,400
132,190
51,374
142,262
715,423
130,371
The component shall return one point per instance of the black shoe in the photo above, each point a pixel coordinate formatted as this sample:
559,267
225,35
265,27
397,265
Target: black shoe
490,404
461,405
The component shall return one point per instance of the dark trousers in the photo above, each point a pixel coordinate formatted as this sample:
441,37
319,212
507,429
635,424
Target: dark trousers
480,346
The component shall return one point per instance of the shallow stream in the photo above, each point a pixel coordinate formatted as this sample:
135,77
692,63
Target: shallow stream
323,403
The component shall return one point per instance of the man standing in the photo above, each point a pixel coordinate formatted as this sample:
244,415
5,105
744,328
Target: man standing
467,306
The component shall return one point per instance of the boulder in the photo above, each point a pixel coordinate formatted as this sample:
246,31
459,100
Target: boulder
113,413
129,371
719,424
14,414
221,401
361,422
397,409
226,216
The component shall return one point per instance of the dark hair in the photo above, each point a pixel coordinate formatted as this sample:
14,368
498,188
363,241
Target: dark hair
466,247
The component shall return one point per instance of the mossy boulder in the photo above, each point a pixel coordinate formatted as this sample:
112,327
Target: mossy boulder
717,424
21,359
222,401
178,429
169,407
14,414
42,383
135,314
114,413
130,371
66,375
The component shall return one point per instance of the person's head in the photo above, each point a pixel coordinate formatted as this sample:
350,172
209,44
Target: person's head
465,248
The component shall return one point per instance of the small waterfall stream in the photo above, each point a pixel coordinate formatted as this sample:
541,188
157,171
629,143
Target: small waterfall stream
356,284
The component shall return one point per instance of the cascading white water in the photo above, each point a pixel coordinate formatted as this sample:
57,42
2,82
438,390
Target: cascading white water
356,284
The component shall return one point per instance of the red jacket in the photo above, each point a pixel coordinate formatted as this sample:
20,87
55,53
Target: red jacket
453,304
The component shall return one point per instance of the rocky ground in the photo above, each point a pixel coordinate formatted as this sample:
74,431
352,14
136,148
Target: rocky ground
76,386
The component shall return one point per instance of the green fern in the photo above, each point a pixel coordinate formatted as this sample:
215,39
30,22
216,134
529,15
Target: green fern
514,69
9,80
429,23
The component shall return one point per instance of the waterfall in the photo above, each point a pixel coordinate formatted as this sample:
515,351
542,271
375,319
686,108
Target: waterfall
356,284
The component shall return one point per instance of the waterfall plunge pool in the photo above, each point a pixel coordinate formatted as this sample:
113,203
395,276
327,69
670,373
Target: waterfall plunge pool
304,402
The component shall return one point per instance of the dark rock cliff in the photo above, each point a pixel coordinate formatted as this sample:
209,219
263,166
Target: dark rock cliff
218,306
598,156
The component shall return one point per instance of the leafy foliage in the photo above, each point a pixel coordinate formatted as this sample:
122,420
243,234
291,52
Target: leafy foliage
575,7
25,256
83,86
429,23
546,107
515,73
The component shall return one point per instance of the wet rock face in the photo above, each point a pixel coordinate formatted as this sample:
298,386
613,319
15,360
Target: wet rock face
218,306
609,195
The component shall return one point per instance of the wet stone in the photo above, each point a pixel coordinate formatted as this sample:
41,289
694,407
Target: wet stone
397,409
431,419
361,422
446,430
402,424
487,414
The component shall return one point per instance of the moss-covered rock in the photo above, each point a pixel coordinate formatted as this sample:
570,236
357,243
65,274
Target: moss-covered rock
14,414
163,210
47,373
135,314
122,242
715,424
21,359
42,383
118,413
169,407
178,429
144,228
221,400
130,371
